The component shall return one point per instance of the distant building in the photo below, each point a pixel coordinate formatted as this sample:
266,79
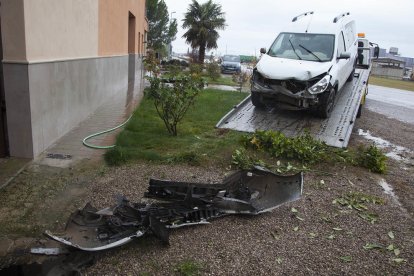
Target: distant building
393,51
391,64
388,67
62,59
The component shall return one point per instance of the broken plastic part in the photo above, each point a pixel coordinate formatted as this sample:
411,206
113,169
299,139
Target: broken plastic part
244,192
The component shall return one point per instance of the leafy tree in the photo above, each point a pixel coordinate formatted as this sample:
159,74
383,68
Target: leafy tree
203,22
172,101
161,31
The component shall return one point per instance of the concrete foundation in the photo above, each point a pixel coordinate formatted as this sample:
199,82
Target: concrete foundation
48,99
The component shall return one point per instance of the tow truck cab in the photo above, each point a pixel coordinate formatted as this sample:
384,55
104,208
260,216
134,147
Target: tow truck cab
307,64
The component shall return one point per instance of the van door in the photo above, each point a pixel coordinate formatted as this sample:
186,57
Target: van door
341,63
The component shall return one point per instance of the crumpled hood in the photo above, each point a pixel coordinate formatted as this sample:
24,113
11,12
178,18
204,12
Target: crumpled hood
282,68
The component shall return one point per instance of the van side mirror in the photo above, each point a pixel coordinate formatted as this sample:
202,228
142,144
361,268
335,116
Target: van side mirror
344,55
376,52
263,50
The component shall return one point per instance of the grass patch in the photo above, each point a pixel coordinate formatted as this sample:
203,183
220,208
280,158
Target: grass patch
221,81
399,84
145,136
188,268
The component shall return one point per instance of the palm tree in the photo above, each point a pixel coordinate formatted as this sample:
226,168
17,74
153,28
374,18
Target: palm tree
202,22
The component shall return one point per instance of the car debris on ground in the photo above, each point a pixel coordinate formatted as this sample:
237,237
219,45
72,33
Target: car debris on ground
250,192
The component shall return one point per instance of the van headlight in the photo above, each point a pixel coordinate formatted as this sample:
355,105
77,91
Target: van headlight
320,86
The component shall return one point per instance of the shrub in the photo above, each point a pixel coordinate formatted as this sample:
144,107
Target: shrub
173,101
213,70
302,147
373,159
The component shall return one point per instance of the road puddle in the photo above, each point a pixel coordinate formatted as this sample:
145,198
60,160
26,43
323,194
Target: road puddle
388,190
395,152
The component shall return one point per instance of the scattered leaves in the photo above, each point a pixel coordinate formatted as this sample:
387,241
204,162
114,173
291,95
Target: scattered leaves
296,228
299,218
294,210
331,237
396,252
346,259
337,229
399,260
391,235
370,246
279,260
313,235
371,217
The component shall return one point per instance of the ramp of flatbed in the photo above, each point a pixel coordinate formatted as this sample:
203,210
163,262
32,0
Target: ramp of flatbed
334,131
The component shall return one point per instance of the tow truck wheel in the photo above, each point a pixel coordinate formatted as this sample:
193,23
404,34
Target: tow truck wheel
326,103
257,100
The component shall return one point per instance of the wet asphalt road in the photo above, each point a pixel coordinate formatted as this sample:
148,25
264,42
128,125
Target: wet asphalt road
393,103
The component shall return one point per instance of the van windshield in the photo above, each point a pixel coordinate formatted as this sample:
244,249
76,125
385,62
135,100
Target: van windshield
303,46
231,58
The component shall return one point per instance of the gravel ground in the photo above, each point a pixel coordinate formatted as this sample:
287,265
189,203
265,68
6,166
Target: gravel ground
266,244
327,239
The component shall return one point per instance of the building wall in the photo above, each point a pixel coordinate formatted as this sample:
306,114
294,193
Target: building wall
13,30
392,73
63,29
75,57
113,36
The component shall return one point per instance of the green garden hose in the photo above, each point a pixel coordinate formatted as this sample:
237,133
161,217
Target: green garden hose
103,132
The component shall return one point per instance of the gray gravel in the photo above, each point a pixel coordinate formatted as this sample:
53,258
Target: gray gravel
265,244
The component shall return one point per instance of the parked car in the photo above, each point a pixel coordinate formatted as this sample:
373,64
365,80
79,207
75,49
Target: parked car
230,64
307,64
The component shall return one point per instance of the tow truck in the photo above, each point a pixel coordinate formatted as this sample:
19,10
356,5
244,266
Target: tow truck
334,131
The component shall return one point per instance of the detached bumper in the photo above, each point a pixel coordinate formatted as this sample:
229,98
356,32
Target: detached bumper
281,96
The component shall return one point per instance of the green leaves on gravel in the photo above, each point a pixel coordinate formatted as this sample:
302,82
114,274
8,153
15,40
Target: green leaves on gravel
371,217
359,201
346,259
391,235
279,260
399,260
337,229
370,246
305,149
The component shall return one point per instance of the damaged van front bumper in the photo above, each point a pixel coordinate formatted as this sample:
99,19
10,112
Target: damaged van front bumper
249,192
289,94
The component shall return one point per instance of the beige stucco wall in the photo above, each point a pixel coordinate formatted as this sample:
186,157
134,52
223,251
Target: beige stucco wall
13,30
113,25
61,29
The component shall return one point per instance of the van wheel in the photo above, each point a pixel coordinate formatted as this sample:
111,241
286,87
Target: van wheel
256,99
326,103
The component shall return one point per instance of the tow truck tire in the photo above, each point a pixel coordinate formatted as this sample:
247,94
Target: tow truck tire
326,103
257,100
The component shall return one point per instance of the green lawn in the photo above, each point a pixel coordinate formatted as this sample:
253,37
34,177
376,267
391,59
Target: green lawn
227,80
399,84
145,136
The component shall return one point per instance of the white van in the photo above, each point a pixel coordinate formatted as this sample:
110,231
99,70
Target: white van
307,64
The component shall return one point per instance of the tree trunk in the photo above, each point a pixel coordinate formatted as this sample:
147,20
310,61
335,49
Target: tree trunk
202,53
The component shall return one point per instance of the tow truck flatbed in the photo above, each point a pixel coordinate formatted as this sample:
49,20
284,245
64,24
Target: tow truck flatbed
334,131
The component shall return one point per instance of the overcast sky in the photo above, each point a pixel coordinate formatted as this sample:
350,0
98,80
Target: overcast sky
252,24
